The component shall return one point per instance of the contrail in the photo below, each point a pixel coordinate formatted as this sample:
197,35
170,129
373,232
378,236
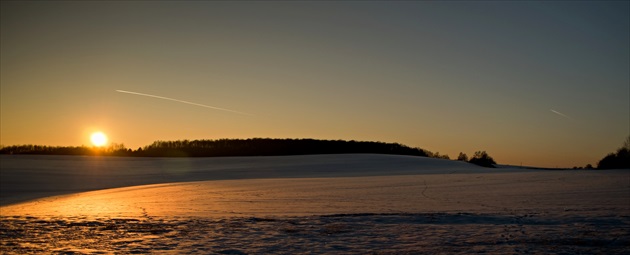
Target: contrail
561,114
181,101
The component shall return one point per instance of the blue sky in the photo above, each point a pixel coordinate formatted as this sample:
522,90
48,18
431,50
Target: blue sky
444,76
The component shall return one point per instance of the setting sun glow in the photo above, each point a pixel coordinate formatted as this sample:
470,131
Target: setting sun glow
98,139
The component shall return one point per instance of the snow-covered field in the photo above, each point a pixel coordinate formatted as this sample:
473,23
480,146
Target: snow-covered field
348,204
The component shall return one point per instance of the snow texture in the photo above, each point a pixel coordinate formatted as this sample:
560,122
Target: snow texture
342,204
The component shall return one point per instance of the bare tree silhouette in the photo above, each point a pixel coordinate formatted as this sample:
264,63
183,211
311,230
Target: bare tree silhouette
618,160
482,158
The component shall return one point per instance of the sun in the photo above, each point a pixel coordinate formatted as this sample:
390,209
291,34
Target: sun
98,139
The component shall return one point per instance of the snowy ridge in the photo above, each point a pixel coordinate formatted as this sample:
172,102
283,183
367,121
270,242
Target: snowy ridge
26,177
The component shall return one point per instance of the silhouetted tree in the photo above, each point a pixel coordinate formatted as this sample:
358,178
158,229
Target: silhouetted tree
462,157
46,150
618,160
438,155
269,147
481,158
228,147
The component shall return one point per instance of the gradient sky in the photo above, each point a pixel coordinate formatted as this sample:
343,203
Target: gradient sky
443,76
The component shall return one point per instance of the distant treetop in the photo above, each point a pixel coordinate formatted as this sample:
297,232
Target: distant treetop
482,158
271,147
618,160
227,147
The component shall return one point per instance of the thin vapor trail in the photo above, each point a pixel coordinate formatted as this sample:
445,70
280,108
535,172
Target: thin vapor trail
181,101
561,114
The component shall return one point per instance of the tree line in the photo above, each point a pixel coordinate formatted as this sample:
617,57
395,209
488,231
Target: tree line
226,147
617,160
280,147
242,147
31,149
270,147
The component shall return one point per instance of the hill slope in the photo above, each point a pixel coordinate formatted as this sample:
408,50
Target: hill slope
26,177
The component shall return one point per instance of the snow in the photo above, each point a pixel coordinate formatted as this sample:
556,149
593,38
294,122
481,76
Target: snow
28,177
355,203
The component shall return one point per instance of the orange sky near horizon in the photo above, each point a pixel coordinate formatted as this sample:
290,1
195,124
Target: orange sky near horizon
533,83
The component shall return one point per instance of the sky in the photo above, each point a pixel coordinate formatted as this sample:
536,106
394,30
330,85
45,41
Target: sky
537,83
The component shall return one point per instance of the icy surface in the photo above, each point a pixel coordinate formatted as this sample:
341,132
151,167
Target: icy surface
341,204
337,234
25,177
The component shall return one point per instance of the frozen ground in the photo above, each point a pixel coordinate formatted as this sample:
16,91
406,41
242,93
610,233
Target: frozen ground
354,204
426,233
26,177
